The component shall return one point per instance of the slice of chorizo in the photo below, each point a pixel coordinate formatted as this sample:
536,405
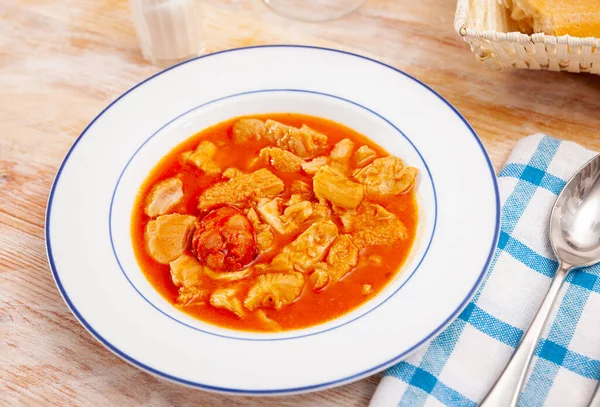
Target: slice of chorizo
225,240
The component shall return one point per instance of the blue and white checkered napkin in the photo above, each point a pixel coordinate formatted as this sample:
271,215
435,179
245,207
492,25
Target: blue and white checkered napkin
461,364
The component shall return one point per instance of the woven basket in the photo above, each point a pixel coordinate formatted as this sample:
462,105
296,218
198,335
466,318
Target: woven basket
494,38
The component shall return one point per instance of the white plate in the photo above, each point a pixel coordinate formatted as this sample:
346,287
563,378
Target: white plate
89,209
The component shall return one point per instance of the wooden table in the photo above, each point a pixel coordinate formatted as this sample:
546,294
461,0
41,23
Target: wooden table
62,61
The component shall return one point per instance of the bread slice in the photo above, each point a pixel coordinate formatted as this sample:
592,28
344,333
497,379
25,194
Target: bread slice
577,18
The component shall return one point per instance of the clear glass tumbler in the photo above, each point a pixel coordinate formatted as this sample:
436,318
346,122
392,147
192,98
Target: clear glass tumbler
314,10
169,31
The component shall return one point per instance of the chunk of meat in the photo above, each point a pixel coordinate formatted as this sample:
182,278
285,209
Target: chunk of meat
281,160
301,192
373,225
294,199
302,189
264,235
193,295
307,249
289,222
267,322
231,172
262,268
164,197
186,271
340,210
342,152
249,129
331,185
167,236
227,275
265,240
224,240
202,158
295,214
269,211
386,176
365,155
320,211
254,218
304,142
238,190
342,257
274,290
311,167
226,298
319,277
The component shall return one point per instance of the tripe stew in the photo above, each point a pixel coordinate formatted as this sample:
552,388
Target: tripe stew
274,222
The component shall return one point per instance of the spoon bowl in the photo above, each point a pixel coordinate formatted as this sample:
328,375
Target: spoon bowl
575,219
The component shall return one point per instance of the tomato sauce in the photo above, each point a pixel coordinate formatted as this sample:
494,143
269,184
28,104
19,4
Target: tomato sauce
311,308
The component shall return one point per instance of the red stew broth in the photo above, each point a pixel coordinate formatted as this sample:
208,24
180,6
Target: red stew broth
311,308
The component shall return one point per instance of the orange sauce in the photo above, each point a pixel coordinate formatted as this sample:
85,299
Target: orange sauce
311,308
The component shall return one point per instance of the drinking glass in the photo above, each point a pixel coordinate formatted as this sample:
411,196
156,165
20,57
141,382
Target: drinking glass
169,31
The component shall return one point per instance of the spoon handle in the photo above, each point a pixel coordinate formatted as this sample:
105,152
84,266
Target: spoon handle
508,387
595,402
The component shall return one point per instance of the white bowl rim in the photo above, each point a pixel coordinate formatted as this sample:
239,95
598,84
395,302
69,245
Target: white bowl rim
263,91
292,390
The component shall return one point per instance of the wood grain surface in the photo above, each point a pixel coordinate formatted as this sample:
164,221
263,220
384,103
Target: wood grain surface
63,61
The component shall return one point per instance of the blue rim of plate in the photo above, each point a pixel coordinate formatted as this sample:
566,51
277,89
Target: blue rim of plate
314,387
304,91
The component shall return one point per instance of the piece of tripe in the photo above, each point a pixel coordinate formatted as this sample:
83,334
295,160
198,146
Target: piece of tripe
259,184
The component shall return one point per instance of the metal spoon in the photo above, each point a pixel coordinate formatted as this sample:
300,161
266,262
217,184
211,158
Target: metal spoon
575,238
